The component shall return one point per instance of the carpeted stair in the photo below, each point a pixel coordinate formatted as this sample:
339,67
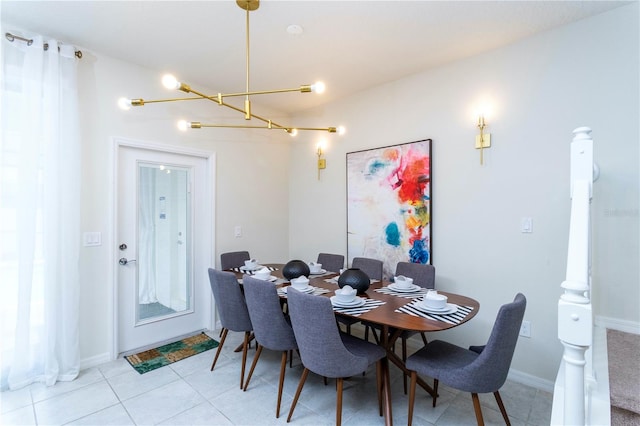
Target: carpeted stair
623,350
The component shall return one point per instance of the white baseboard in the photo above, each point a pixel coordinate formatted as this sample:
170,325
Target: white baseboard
529,380
618,324
95,360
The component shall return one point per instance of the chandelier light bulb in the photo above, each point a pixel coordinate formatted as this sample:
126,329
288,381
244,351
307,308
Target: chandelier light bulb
170,82
318,87
124,104
292,132
342,130
183,125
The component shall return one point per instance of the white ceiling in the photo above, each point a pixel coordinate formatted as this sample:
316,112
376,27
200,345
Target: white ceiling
350,45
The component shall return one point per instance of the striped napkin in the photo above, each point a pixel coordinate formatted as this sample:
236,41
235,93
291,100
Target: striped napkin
334,280
369,304
316,291
455,318
412,295
242,270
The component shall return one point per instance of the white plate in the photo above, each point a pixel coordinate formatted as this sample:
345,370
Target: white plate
271,278
411,289
309,289
251,269
320,272
451,308
357,302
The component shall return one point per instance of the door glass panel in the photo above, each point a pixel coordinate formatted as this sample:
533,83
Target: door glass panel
164,283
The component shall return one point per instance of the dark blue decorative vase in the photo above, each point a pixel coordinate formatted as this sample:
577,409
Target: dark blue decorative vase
355,278
294,269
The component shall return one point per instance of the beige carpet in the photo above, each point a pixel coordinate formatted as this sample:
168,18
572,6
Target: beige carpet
623,350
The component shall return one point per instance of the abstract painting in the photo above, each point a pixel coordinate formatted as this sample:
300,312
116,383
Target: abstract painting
389,204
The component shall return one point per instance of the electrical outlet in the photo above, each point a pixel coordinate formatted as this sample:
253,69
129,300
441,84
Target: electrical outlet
237,231
525,329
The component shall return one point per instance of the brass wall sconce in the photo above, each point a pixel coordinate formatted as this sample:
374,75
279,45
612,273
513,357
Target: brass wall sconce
483,140
322,163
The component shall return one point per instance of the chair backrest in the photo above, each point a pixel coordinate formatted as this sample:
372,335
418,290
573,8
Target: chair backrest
232,308
331,262
423,275
269,324
371,267
489,370
321,348
233,259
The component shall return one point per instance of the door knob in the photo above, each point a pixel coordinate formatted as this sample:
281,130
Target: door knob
124,261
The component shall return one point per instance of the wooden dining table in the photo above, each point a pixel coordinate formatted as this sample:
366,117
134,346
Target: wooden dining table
387,316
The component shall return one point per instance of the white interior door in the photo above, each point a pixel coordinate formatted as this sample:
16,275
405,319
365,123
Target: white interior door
164,245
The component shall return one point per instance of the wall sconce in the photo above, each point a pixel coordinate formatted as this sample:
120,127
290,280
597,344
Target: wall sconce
483,140
322,163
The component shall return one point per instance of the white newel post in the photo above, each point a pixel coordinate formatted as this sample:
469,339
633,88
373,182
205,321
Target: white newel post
575,318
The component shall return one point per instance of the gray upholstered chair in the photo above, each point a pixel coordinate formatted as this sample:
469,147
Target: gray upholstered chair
479,369
232,311
233,259
325,350
271,329
424,276
371,267
331,262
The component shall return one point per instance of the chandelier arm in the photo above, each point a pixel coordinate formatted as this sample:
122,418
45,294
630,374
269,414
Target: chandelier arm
172,100
265,92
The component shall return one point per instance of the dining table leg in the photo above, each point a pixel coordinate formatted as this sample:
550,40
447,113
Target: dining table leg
388,345
386,381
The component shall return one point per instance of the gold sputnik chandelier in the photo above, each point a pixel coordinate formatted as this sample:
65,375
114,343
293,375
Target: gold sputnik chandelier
171,82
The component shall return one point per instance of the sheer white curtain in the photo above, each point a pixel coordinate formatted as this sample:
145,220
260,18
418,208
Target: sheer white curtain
39,214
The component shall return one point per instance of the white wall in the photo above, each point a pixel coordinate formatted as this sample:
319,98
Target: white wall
252,179
541,88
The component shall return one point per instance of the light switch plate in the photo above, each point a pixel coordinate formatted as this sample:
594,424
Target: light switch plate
526,225
92,239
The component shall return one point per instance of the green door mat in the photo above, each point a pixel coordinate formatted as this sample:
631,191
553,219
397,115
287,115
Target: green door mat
146,361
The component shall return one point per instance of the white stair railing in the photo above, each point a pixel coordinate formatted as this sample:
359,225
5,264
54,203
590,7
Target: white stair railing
575,317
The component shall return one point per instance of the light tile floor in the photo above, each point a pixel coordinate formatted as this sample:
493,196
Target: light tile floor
187,393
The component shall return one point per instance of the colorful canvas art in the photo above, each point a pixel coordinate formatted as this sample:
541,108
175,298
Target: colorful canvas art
389,204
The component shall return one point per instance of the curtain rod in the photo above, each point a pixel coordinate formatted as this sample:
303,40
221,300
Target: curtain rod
12,37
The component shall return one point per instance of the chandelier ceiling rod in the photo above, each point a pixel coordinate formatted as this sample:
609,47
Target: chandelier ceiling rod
172,83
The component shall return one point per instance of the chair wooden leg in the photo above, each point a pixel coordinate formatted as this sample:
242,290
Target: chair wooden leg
339,401
283,369
253,366
305,373
424,339
404,361
375,336
502,409
222,338
435,391
247,339
477,409
325,381
241,345
412,395
366,333
379,384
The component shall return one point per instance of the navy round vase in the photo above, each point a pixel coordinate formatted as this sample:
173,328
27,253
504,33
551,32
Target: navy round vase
355,278
294,269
